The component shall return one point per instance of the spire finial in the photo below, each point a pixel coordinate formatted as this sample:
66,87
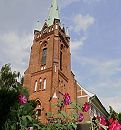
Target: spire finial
53,13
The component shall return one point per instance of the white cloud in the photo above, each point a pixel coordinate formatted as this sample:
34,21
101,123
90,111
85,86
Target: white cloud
102,78
82,23
104,68
76,44
15,50
65,3
114,102
90,1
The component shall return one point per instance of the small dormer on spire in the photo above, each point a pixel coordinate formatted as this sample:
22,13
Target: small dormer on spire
53,13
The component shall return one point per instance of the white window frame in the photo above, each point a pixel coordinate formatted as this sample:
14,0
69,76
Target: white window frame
35,86
45,82
56,26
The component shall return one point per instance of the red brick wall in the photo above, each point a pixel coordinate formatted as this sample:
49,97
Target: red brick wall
57,80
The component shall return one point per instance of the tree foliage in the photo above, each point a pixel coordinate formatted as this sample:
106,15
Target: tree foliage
114,114
13,115
8,91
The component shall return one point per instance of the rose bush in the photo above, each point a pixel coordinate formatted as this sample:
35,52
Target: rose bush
81,117
86,107
113,122
17,112
67,99
66,118
22,99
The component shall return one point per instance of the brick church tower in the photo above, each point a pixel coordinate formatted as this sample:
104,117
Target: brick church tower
49,74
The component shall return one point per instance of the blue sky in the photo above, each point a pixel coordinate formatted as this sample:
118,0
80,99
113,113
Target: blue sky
95,31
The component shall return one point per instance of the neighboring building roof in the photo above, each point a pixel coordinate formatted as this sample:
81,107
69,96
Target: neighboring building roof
93,99
53,13
86,91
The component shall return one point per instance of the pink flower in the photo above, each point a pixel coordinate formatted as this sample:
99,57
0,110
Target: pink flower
22,99
115,125
31,128
111,120
81,117
100,128
86,107
67,99
103,121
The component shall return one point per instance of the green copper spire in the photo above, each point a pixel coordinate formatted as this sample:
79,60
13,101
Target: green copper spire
53,13
37,26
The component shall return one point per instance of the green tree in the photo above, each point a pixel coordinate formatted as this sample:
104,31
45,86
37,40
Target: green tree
8,92
114,114
13,115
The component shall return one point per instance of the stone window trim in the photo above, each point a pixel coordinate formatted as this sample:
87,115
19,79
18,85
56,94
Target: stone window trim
44,84
38,108
44,56
56,26
35,86
40,84
48,38
44,43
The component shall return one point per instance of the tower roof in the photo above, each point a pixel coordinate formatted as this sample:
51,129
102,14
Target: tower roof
37,26
53,13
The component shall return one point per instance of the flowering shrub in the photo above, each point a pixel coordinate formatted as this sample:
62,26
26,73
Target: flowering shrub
22,99
86,107
67,99
30,128
22,114
16,112
112,123
81,117
66,118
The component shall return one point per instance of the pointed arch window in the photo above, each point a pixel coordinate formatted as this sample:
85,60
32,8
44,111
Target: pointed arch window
40,87
37,113
45,82
44,55
35,86
38,109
